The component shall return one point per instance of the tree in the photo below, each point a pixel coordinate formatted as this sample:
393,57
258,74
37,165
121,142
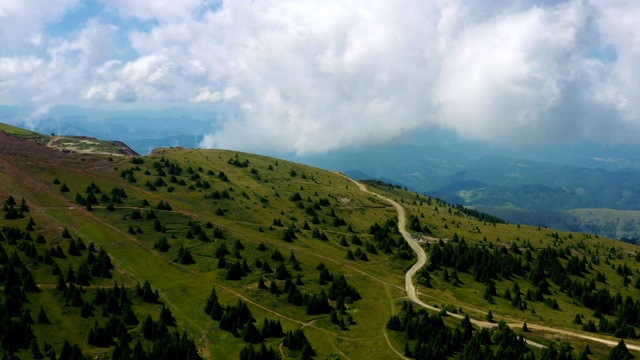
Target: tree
273,288
489,316
250,333
73,248
577,319
167,317
261,284
186,258
620,352
42,317
147,293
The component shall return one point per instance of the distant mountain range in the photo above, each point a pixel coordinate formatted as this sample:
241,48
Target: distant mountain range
518,184
551,186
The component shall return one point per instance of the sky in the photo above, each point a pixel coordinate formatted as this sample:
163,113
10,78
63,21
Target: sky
314,76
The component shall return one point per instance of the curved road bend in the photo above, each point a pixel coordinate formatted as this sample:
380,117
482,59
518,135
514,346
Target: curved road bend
422,259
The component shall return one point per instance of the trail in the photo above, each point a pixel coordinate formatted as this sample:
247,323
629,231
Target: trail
422,259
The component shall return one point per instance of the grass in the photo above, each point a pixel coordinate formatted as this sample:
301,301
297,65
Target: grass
260,193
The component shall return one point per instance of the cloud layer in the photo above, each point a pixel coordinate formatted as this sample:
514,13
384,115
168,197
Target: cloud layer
319,75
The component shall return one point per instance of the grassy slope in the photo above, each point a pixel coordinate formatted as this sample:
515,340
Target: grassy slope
468,296
186,288
248,217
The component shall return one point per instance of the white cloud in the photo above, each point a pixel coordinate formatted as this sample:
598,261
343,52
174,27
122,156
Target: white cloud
319,75
205,95
165,11
23,19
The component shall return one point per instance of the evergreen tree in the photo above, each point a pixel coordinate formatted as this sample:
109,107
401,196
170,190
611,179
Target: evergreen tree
42,317
620,352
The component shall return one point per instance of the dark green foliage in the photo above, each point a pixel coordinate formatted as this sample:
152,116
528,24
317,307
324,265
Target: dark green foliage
42,317
66,234
360,255
577,319
167,317
148,295
162,245
296,340
40,239
277,256
261,284
212,306
271,329
340,289
217,233
235,317
71,276
620,352
235,271
264,353
350,255
250,333
289,235
70,353
325,276
273,288
281,272
173,346
73,249
185,257
153,330
221,251
164,206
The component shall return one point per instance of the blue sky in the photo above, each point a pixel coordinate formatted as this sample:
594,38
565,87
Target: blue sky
320,75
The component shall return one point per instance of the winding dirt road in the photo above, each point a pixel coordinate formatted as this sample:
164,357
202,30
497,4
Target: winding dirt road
422,259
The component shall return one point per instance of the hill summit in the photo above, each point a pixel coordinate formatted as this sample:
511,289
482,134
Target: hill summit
189,253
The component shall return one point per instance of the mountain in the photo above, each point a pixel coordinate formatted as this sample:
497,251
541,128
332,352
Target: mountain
143,130
548,179
188,253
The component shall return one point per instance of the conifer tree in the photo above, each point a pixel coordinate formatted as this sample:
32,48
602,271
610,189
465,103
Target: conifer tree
42,317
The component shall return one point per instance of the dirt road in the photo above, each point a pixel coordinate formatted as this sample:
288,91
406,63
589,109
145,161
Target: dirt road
422,259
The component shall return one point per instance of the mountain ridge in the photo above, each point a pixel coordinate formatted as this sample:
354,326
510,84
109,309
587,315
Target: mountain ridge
214,234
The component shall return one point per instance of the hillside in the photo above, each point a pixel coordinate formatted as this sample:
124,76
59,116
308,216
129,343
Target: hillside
233,249
71,144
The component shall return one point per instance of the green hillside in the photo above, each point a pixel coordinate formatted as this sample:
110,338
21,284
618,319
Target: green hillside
71,144
222,254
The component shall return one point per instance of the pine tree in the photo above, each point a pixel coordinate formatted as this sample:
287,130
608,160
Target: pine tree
35,350
273,288
489,316
577,319
620,352
42,317
167,317
261,284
